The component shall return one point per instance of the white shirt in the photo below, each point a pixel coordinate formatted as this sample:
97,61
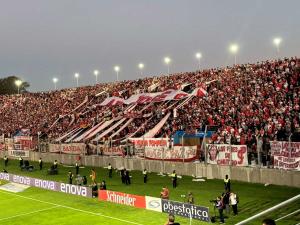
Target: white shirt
232,199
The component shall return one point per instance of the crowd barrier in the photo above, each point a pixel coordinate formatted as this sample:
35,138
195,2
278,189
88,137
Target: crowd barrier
210,171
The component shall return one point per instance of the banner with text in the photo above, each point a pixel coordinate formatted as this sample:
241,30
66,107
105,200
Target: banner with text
286,154
72,148
48,185
18,153
122,198
223,154
186,210
177,153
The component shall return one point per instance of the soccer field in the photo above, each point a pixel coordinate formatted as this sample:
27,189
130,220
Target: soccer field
37,206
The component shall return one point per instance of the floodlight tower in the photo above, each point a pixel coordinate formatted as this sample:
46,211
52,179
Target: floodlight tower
198,57
55,80
117,69
277,41
233,48
76,75
167,61
18,83
141,67
96,72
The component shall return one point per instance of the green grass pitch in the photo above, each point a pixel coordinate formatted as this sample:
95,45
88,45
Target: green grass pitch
38,206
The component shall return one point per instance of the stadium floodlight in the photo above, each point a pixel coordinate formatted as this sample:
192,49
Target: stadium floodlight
96,72
198,57
18,84
117,69
167,61
233,48
276,42
76,75
141,67
55,80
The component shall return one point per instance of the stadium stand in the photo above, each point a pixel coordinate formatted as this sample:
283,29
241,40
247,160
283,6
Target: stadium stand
245,102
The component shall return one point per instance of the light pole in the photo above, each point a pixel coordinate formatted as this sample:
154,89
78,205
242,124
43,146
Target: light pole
234,49
76,75
198,57
276,42
167,61
18,84
96,72
117,69
54,81
141,67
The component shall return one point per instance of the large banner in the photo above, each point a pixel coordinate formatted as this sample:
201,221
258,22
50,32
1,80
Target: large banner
223,154
286,154
140,144
18,153
186,210
72,148
23,142
48,184
122,198
9,143
177,153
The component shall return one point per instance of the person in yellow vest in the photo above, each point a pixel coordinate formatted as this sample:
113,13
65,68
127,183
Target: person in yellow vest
145,174
227,183
110,169
5,161
174,179
41,163
21,161
93,176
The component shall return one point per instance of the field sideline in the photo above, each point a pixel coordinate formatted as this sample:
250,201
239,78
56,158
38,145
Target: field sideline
46,207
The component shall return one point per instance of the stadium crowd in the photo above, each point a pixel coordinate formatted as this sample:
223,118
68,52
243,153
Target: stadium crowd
250,103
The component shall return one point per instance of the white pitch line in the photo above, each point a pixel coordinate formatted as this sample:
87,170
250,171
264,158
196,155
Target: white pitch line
68,207
298,210
29,213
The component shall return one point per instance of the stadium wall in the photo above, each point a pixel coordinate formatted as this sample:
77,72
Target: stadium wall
246,174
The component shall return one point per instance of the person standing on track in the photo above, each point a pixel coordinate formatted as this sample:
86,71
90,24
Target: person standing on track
145,174
227,183
93,176
77,168
41,163
174,179
71,176
110,169
5,161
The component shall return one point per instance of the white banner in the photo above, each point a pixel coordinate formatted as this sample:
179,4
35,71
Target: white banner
9,143
146,98
286,154
223,154
153,204
18,153
177,153
149,142
72,148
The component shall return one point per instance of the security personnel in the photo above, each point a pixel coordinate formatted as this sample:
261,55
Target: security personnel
174,179
227,183
40,163
77,168
21,161
71,176
110,169
5,161
145,173
55,164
